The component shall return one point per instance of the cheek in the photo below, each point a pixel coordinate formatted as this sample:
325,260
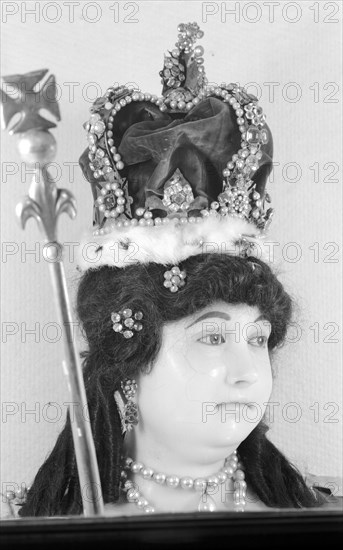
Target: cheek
164,394
204,359
202,381
265,382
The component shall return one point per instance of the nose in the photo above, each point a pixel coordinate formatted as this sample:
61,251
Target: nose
241,371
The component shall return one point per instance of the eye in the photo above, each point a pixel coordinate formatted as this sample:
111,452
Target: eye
212,339
259,341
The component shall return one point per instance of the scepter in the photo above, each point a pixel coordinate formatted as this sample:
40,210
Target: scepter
45,202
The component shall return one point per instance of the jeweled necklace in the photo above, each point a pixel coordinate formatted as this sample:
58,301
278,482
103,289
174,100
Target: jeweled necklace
232,469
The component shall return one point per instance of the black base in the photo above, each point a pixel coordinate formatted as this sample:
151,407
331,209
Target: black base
221,530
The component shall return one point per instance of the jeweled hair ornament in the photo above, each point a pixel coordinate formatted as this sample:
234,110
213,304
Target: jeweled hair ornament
127,322
171,175
174,278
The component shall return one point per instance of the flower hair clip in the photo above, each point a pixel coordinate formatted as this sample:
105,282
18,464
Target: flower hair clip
126,322
174,279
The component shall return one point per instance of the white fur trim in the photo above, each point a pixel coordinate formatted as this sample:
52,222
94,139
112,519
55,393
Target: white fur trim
167,244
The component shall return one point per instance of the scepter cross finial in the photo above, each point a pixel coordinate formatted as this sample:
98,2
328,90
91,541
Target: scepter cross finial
29,102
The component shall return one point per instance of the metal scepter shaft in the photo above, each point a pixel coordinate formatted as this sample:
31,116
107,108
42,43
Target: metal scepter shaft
81,430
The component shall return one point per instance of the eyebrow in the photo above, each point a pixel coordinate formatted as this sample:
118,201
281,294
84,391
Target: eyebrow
222,315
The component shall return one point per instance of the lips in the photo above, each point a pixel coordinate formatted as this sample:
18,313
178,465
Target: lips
232,404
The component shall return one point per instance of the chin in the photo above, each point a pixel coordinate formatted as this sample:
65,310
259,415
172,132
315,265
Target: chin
217,444
231,435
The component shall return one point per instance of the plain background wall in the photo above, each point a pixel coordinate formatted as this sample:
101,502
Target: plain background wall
89,46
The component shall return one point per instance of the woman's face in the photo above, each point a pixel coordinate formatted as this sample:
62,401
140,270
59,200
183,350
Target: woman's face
211,382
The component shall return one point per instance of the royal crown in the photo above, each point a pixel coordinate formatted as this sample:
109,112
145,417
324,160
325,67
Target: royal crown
155,160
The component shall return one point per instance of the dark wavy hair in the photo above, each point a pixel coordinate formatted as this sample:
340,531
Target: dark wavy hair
110,358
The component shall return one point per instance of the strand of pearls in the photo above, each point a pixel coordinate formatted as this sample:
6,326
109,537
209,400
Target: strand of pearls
232,469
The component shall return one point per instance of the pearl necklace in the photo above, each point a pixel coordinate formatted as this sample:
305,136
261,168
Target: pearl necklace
232,469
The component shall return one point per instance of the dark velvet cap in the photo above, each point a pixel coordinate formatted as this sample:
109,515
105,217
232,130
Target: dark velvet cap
200,143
